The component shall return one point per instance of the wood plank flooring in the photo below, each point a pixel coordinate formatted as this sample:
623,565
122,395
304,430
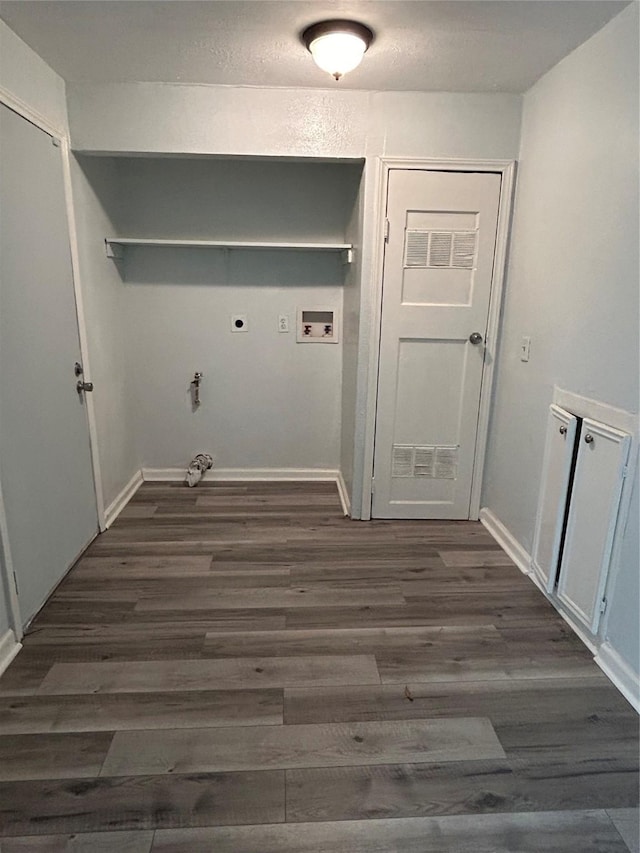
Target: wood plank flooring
239,668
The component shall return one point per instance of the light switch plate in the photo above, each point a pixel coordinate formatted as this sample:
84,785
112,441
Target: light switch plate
525,348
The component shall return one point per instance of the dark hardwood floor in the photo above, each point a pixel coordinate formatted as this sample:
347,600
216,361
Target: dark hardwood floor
237,668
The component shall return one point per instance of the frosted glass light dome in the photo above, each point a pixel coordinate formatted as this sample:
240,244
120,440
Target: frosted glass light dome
337,46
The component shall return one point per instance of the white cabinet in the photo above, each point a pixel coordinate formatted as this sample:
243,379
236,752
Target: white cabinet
584,469
593,511
554,494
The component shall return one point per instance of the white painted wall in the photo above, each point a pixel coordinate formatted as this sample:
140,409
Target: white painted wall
573,279
27,80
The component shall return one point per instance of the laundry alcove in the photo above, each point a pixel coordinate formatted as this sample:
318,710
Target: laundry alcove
157,313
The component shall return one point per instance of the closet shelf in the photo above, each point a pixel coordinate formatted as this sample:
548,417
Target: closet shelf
115,245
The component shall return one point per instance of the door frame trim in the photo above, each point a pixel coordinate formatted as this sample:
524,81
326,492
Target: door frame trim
16,105
507,170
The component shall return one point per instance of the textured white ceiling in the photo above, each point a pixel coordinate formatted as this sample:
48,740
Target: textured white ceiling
450,45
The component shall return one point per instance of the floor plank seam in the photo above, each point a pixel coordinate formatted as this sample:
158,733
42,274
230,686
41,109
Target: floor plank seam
234,721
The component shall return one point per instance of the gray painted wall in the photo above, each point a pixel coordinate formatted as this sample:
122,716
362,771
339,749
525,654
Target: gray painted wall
96,201
29,79
267,402
573,280
229,120
233,122
621,628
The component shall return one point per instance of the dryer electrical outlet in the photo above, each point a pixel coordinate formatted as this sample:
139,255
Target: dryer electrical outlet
239,323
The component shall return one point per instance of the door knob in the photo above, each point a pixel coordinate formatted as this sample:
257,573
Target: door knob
475,338
563,430
83,386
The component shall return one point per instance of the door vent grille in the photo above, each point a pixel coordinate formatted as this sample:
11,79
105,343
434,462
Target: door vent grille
416,249
440,249
402,461
434,463
464,250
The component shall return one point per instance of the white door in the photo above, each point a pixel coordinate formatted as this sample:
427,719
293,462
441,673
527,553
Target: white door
591,523
437,283
554,494
45,460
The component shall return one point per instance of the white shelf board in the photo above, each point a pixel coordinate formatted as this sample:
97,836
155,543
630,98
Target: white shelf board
114,245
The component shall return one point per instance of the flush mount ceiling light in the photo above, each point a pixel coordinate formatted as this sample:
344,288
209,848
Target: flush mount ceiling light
337,46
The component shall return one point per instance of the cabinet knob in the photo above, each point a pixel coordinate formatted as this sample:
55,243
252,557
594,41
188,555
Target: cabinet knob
475,338
588,439
563,430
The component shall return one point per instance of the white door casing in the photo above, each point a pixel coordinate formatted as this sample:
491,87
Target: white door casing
438,271
554,494
45,457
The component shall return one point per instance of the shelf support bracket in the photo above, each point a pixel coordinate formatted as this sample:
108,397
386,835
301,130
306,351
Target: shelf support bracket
347,256
114,250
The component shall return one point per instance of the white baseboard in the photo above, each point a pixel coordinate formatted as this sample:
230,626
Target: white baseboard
506,540
120,501
150,475
576,627
344,494
620,673
9,648
247,475
614,667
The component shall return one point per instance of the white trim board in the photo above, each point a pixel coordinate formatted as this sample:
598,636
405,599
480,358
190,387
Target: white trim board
248,475
151,475
620,673
506,540
6,563
9,648
522,559
585,407
610,662
122,499
589,640
507,171
83,337
33,116
344,494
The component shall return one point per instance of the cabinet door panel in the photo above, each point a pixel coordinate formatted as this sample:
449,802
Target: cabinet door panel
558,454
595,500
